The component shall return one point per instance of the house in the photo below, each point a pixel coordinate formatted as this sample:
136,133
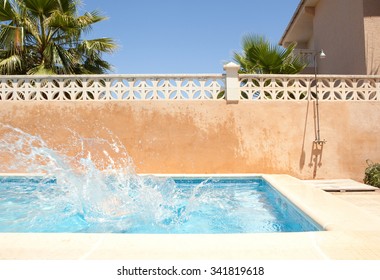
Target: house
347,30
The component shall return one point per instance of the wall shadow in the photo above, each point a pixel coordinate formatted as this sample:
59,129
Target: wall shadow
316,157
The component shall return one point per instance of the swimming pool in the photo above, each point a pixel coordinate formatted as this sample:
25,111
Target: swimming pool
148,204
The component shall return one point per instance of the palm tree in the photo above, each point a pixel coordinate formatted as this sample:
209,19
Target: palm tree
261,57
45,37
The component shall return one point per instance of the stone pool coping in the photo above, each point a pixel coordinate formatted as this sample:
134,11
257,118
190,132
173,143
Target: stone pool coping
350,233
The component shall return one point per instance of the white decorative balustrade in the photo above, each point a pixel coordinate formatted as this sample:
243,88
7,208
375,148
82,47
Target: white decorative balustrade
301,87
189,87
111,87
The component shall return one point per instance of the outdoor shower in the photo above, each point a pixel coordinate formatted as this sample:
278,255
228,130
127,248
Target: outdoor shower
317,140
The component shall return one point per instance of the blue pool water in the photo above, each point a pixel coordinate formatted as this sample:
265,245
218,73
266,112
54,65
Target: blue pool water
147,204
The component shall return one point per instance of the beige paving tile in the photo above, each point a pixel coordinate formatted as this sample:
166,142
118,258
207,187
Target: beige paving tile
369,202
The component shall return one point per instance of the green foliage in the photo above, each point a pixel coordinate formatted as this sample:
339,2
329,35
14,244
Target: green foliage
372,174
45,37
261,57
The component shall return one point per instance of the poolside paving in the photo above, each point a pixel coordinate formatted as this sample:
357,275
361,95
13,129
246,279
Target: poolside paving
361,195
368,201
276,246
341,185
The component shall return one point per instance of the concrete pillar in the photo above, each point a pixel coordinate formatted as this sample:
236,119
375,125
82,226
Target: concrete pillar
232,81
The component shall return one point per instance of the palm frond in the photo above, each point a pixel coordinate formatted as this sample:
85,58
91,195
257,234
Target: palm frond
260,56
7,12
41,7
90,18
69,6
41,70
11,64
97,66
106,45
66,59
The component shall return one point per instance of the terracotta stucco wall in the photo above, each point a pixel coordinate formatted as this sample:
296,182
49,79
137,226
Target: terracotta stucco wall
339,30
212,136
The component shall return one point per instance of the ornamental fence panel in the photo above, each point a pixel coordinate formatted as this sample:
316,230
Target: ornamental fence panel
111,87
302,87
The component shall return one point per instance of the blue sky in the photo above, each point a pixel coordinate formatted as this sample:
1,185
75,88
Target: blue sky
184,36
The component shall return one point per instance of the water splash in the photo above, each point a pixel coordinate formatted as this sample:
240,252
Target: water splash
101,192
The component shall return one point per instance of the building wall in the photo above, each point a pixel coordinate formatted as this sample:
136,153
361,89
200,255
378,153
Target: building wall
210,136
339,30
372,35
